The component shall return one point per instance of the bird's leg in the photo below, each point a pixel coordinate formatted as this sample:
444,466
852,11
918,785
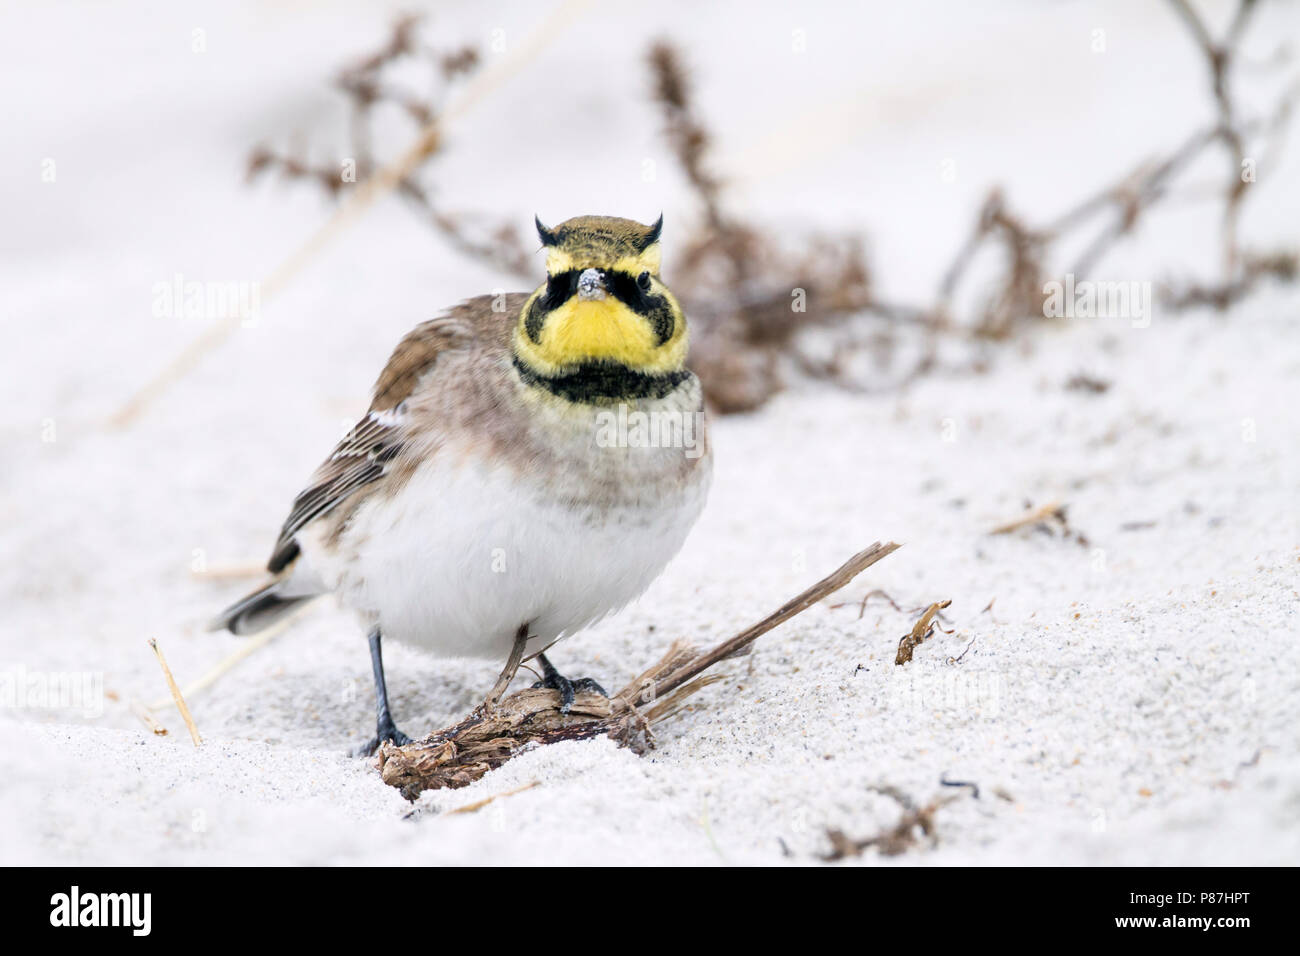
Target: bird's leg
385,729
567,688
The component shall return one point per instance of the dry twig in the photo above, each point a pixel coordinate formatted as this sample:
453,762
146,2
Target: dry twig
365,86
736,279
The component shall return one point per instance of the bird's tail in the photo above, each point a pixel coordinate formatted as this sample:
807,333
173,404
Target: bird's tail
259,610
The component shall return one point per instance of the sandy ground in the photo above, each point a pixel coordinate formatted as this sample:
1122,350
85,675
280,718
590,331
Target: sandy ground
1130,698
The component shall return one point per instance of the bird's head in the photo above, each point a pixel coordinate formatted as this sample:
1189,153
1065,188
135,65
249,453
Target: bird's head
603,326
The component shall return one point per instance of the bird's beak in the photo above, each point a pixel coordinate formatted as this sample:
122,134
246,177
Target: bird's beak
591,284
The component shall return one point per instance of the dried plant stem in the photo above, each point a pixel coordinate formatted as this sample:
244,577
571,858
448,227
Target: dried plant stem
1219,58
828,585
176,693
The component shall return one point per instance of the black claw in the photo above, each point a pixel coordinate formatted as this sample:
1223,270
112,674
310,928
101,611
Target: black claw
562,684
383,733
554,680
589,684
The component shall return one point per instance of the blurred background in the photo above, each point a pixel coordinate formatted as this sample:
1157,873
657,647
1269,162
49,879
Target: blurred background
220,218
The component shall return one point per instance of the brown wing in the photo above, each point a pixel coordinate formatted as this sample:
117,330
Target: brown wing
364,454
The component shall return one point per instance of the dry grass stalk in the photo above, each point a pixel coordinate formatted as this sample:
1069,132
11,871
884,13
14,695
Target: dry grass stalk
176,693
457,756
920,633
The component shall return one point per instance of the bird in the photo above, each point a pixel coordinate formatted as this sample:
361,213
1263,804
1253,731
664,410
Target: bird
529,464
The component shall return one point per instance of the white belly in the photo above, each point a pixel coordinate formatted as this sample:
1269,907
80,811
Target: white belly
466,553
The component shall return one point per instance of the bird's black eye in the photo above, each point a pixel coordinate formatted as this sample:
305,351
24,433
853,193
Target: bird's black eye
643,282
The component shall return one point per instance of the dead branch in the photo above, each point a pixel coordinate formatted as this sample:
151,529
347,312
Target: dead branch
1282,267
749,332
1219,58
457,756
364,85
1017,293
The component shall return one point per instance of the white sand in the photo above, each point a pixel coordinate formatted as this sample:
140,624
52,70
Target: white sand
1136,699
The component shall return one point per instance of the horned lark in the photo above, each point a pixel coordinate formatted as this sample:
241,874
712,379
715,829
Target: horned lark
495,483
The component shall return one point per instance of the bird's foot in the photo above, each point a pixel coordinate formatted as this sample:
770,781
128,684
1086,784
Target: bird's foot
566,688
385,731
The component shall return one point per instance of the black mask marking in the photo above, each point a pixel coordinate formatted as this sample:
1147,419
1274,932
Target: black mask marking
599,382
564,285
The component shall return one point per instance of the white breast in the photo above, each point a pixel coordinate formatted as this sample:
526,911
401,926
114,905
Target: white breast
467,551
